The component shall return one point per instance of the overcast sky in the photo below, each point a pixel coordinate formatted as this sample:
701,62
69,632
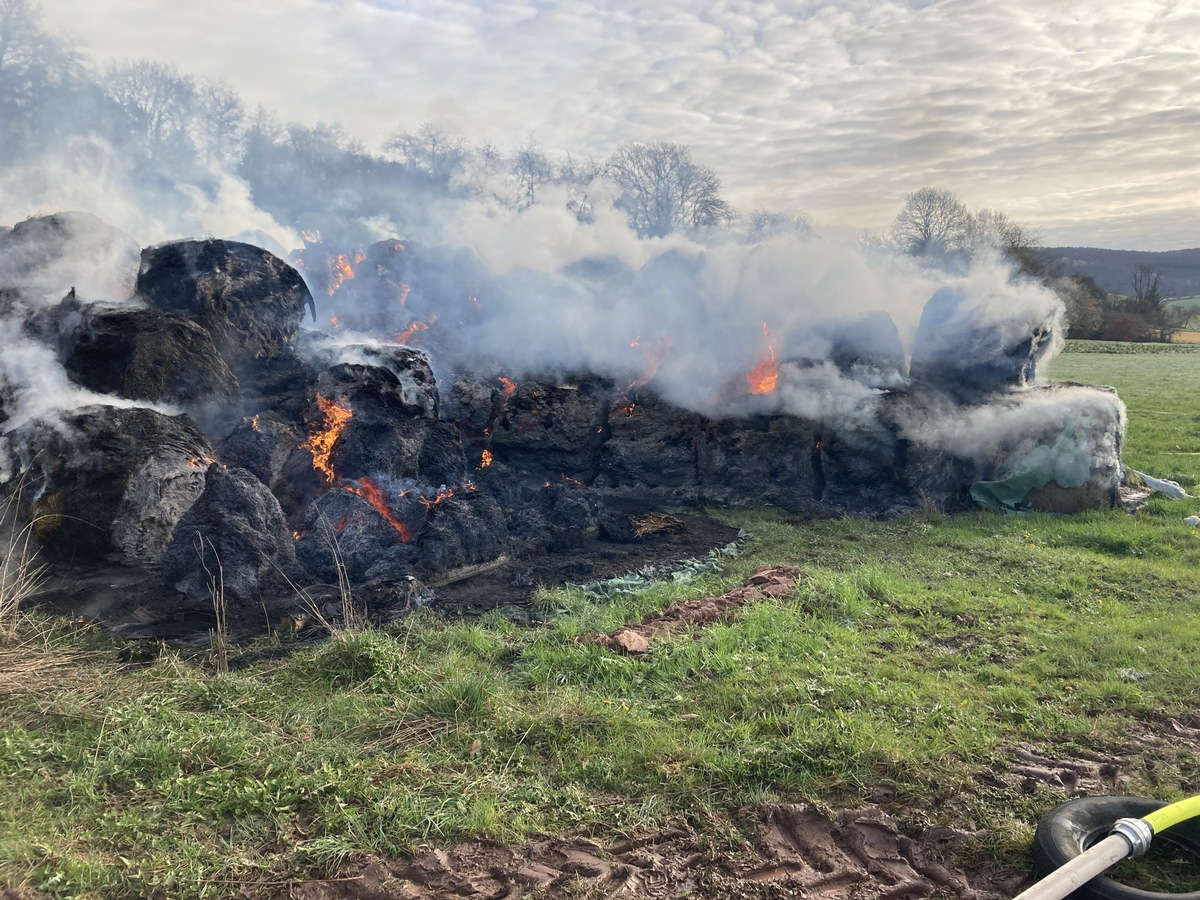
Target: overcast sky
1081,119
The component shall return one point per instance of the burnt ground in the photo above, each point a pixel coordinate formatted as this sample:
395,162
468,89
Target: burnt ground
514,583
126,602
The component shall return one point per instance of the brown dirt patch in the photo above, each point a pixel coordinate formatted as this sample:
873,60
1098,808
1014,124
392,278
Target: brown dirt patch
795,851
1084,774
766,583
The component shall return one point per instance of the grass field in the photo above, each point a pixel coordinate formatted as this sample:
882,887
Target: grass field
911,660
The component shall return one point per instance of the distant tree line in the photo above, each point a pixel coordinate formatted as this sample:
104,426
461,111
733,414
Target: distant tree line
936,226
183,129
171,128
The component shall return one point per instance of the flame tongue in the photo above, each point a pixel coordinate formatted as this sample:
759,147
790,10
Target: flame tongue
320,443
655,356
764,376
377,497
405,336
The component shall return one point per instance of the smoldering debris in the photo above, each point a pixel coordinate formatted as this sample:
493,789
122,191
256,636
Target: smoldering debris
445,418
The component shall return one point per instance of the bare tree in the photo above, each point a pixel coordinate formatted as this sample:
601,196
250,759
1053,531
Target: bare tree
990,228
1083,299
932,222
32,65
762,224
429,150
221,122
159,100
663,190
531,168
1149,301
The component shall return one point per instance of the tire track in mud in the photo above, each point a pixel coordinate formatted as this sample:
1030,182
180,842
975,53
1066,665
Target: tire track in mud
798,851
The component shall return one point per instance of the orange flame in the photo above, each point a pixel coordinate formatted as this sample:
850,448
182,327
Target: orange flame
296,535
654,358
377,497
199,462
311,237
404,292
335,321
320,444
764,376
340,271
406,335
254,423
485,461
507,385
431,502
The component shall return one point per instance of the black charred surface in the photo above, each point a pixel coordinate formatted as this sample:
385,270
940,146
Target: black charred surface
465,530
651,445
248,299
970,357
552,429
491,471
342,528
760,461
233,539
114,483
387,435
148,355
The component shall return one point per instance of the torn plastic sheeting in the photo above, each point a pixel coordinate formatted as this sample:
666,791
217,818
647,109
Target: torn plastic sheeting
1172,489
1066,462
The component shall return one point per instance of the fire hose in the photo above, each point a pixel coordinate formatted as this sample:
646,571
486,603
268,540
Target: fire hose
1066,845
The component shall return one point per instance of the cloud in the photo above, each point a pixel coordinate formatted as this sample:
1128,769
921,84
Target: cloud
1075,118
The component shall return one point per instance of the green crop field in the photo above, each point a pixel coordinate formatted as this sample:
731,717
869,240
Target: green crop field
912,661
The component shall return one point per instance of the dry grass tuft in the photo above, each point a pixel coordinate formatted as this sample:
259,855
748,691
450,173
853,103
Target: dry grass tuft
21,575
656,523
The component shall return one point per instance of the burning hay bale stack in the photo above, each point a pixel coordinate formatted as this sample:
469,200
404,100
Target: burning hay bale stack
224,437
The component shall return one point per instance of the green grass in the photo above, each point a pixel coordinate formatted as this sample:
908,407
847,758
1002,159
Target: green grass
1160,384
913,656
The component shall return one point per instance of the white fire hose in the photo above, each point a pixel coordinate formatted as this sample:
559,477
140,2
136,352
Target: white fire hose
1129,837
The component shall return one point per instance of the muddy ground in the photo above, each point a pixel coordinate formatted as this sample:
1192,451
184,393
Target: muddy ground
123,601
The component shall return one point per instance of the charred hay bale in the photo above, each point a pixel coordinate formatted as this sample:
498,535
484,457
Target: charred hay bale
414,385
273,451
860,471
377,389
474,403
760,461
248,299
116,482
651,445
47,256
552,428
557,516
963,349
465,530
427,453
343,529
234,540
145,354
864,347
